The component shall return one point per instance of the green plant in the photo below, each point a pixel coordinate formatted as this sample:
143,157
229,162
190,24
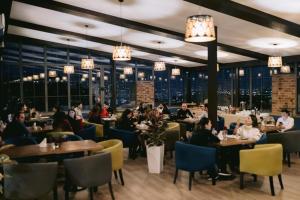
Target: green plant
156,135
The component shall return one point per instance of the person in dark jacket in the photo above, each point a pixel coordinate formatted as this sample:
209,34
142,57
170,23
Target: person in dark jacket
126,121
60,123
16,128
202,136
75,121
184,112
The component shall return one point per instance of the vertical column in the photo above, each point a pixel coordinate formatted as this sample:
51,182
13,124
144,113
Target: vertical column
102,87
250,88
113,86
21,73
187,86
90,89
169,85
69,81
212,81
236,87
46,78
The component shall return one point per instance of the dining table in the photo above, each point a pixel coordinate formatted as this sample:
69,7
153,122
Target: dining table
229,142
51,149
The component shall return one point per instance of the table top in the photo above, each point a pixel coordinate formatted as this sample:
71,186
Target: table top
109,119
65,147
233,142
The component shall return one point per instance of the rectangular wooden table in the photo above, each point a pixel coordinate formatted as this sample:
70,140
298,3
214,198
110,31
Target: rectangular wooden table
65,148
234,142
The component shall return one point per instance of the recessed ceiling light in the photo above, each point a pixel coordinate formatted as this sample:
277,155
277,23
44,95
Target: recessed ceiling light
271,43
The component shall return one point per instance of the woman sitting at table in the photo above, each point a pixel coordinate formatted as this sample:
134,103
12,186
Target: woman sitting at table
249,130
104,111
60,123
75,121
93,115
126,121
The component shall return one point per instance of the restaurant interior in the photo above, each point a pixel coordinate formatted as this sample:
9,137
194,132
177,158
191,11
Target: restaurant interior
143,100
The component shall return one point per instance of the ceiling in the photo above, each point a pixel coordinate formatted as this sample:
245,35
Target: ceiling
166,14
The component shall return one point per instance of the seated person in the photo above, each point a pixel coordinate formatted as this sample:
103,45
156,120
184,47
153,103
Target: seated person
56,110
141,108
202,136
78,109
126,121
163,108
104,111
75,121
93,115
60,123
34,113
184,112
249,130
285,122
16,128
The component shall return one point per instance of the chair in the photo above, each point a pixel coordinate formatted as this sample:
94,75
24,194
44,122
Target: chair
57,135
194,158
128,138
89,172
29,181
21,141
88,132
72,138
172,134
6,146
99,128
115,147
291,144
263,160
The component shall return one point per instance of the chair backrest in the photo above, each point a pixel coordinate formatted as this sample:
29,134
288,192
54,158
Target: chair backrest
21,141
194,158
128,138
99,128
88,132
29,181
291,141
172,134
89,171
264,159
72,138
115,147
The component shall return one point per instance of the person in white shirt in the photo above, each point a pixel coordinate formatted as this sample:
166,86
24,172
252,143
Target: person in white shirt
285,122
249,130
78,110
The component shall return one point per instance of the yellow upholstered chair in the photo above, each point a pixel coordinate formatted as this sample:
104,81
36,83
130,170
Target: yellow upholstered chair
99,128
172,134
115,147
263,160
55,134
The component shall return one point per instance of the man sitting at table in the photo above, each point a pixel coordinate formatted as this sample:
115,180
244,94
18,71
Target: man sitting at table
16,128
285,122
184,112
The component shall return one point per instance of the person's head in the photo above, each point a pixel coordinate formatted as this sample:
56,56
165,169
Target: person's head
251,120
22,107
183,106
105,105
205,123
20,117
56,109
80,106
165,106
206,106
127,114
285,113
72,114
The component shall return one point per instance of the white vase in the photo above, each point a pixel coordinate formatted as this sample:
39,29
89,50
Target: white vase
155,158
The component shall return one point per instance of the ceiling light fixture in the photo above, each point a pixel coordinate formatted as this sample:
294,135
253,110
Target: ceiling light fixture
141,75
175,71
200,28
286,69
128,70
241,72
159,65
122,76
121,52
42,75
88,62
52,74
275,61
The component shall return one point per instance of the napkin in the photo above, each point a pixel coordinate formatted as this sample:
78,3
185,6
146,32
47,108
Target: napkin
43,143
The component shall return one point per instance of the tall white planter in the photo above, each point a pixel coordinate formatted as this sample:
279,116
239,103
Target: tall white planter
155,158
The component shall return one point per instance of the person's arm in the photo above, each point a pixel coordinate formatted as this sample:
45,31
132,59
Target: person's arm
278,121
289,125
257,135
190,113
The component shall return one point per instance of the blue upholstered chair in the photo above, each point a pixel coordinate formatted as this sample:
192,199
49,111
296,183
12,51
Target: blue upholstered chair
88,133
263,139
21,141
194,158
128,138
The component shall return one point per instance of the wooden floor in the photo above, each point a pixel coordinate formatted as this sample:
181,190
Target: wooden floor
140,185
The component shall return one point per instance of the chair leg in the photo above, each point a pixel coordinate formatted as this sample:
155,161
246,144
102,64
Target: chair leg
280,181
272,185
213,180
175,177
254,177
121,176
111,191
289,159
241,180
190,180
116,175
91,191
